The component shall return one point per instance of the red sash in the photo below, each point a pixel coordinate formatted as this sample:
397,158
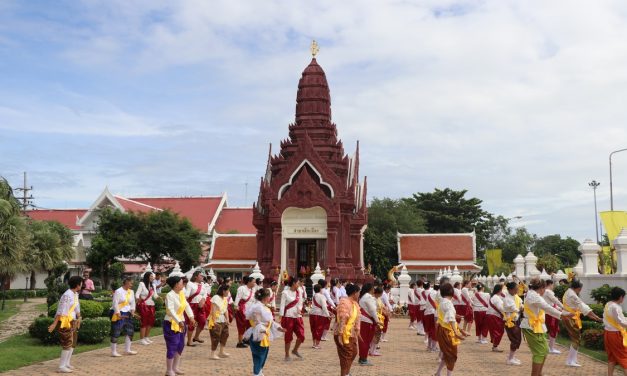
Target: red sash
293,303
417,295
480,299
142,301
315,302
465,299
363,312
191,297
431,301
455,297
496,309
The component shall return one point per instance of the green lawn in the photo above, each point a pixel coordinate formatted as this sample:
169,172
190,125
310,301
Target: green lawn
10,309
22,350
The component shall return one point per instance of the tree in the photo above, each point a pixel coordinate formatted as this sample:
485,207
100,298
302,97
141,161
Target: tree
116,237
517,243
165,234
50,245
549,262
386,218
14,237
566,250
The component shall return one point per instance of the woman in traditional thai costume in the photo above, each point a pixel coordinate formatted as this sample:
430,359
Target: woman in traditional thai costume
533,326
369,321
318,316
218,323
468,315
174,327
480,305
512,307
448,334
552,324
573,304
347,330
69,314
291,316
494,317
146,307
615,335
263,329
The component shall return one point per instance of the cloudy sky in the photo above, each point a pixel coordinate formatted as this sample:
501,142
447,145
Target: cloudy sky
518,102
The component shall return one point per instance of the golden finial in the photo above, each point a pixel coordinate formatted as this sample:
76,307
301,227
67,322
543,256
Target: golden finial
314,48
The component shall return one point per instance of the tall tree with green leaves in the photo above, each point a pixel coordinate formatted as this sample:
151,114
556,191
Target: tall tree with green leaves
566,250
14,237
51,244
386,218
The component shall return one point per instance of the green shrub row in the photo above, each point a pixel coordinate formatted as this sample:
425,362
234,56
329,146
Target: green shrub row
19,294
93,330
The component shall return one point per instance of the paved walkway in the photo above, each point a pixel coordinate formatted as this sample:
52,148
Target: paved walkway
404,355
18,323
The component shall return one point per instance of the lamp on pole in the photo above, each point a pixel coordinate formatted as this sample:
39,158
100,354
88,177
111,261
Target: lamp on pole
594,185
611,193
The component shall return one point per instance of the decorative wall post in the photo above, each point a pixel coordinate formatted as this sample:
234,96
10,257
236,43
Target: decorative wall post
519,261
530,265
317,274
620,243
256,272
590,254
403,281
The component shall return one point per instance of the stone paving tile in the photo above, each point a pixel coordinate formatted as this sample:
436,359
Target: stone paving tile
403,355
18,323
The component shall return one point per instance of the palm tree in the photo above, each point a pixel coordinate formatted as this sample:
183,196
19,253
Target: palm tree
14,237
51,244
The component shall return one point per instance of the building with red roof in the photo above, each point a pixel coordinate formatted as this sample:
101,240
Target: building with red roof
429,254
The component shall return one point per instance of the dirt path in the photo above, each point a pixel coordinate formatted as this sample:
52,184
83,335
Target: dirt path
18,323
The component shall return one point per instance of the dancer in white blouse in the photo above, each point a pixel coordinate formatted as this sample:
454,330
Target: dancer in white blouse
291,317
174,327
146,307
218,322
573,304
262,331
69,314
318,316
369,319
121,317
480,302
615,335
552,324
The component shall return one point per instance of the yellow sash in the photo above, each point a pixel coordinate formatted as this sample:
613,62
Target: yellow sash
535,321
265,341
176,328
576,313
127,299
66,320
616,326
346,335
380,313
509,320
451,328
216,315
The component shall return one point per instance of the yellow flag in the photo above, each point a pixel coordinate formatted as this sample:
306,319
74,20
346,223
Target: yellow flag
493,259
613,221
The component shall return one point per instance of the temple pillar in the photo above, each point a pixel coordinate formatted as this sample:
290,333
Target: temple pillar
331,248
277,249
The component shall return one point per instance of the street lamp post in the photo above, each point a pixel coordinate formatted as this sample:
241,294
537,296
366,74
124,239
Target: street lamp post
594,185
611,192
26,290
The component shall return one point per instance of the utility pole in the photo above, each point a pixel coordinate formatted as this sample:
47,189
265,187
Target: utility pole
594,185
26,196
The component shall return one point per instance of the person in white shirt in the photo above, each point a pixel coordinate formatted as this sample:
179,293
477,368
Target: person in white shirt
69,314
196,296
122,317
458,301
615,335
369,320
429,317
330,307
420,310
335,290
449,334
386,299
218,322
412,306
274,286
552,324
343,289
573,304
494,317
174,326
468,315
262,331
318,316
146,307
291,318
480,302
243,299
532,324
512,306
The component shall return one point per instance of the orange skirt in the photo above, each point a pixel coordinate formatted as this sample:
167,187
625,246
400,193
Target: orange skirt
616,352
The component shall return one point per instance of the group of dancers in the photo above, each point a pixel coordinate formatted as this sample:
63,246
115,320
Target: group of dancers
356,316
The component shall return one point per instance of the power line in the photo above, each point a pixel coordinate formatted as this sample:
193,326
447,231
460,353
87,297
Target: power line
26,199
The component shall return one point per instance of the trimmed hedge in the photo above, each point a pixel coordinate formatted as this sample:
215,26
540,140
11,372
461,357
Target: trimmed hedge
94,330
91,331
593,339
89,309
19,294
39,329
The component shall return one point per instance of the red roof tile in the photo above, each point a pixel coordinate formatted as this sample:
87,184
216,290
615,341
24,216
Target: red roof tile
214,265
234,247
199,210
236,220
67,217
134,206
436,247
438,267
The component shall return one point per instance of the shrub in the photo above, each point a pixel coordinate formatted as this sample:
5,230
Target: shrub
159,315
94,330
593,339
19,294
89,309
597,309
560,290
106,307
39,329
585,325
602,294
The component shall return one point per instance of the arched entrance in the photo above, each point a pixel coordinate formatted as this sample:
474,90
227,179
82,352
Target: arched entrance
304,234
